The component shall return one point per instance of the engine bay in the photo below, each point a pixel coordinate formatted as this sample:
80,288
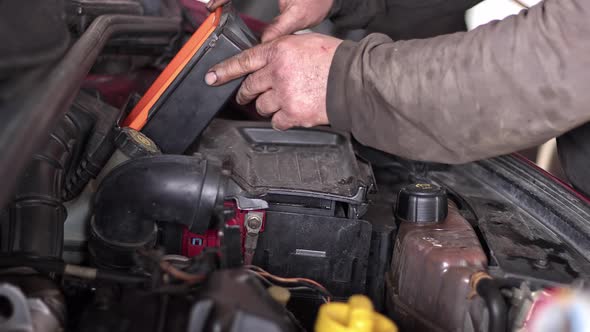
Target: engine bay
239,227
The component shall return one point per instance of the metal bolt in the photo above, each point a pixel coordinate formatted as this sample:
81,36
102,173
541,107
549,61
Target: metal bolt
541,263
213,41
254,222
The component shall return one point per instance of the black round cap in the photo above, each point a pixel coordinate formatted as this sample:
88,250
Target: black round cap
134,144
422,203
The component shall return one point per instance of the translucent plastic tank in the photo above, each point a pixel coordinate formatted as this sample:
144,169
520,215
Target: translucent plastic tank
428,286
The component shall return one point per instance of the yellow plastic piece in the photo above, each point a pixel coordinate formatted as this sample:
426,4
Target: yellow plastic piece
357,315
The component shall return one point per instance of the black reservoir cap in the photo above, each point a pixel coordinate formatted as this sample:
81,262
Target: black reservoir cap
134,144
422,203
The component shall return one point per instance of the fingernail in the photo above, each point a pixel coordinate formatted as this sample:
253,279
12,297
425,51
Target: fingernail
211,78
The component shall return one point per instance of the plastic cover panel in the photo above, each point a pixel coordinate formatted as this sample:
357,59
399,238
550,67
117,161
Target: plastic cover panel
332,251
267,161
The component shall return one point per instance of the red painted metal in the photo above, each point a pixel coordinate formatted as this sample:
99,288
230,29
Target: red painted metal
193,244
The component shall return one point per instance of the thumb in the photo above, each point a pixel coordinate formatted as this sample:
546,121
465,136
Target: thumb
284,24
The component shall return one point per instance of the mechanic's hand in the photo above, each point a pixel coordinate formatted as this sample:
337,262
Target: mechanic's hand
295,15
289,78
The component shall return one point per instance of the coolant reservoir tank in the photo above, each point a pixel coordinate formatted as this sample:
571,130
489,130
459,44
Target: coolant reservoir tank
428,284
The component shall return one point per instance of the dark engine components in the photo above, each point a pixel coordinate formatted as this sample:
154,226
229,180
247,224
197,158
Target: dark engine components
230,300
80,13
314,184
30,302
247,228
338,259
166,188
305,226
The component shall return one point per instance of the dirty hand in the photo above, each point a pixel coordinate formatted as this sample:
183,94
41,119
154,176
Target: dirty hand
288,78
295,15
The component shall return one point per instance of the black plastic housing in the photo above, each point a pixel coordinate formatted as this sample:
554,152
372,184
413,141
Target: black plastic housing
310,171
189,104
332,251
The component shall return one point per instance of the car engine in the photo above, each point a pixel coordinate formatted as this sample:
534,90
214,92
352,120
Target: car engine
239,227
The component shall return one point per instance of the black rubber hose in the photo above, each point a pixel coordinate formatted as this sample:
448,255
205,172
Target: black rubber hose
98,148
183,190
25,122
36,215
489,291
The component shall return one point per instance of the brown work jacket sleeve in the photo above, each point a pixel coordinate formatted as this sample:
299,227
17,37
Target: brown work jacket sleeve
455,98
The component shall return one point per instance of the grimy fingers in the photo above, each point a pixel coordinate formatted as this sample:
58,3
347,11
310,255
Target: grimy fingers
268,103
255,84
214,4
280,121
284,24
246,62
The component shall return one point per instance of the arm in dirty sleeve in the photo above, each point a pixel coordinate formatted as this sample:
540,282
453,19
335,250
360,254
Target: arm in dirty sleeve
455,98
